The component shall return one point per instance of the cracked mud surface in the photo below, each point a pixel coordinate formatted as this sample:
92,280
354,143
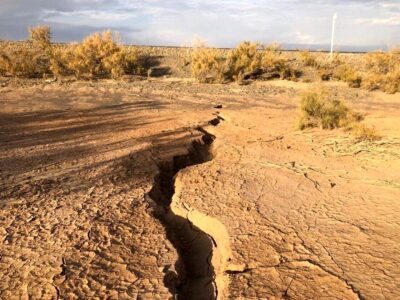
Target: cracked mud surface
278,214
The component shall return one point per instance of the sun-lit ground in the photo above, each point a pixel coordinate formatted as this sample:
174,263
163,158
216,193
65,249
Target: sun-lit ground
264,211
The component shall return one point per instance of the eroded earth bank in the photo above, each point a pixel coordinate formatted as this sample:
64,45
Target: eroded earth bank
170,189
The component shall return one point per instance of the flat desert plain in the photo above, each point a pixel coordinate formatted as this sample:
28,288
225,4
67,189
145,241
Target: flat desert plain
170,189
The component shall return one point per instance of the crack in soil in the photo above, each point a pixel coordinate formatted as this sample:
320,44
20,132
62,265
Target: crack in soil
202,242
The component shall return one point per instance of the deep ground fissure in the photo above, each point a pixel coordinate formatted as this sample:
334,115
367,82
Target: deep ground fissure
193,276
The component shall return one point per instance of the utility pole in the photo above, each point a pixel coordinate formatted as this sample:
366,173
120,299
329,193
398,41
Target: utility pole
333,33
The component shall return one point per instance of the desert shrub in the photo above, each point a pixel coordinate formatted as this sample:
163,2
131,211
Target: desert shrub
326,62
98,55
207,65
325,74
383,71
274,65
320,108
3,59
122,62
23,61
389,83
244,61
383,62
392,81
58,62
308,59
40,36
89,57
347,74
28,59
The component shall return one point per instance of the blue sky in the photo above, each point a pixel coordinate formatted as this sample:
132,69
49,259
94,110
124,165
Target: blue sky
221,23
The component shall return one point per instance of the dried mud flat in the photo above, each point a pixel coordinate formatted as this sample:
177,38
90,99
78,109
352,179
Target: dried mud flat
170,189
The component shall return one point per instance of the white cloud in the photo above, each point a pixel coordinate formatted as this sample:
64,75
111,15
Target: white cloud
221,22
391,21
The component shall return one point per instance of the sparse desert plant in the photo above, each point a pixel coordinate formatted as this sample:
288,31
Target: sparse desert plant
3,59
59,61
122,62
362,133
98,55
88,57
308,59
40,36
274,65
244,61
28,59
320,108
383,71
325,73
326,62
207,65
23,61
347,74
383,62
392,81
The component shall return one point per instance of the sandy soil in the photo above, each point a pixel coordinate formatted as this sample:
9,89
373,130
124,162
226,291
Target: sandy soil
127,191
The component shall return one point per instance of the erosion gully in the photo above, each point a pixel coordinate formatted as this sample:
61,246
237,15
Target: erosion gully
195,277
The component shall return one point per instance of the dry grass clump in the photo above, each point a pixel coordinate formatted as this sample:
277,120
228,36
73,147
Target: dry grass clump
320,108
383,71
207,65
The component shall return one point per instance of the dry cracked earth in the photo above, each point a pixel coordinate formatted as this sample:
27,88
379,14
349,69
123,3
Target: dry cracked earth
168,189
